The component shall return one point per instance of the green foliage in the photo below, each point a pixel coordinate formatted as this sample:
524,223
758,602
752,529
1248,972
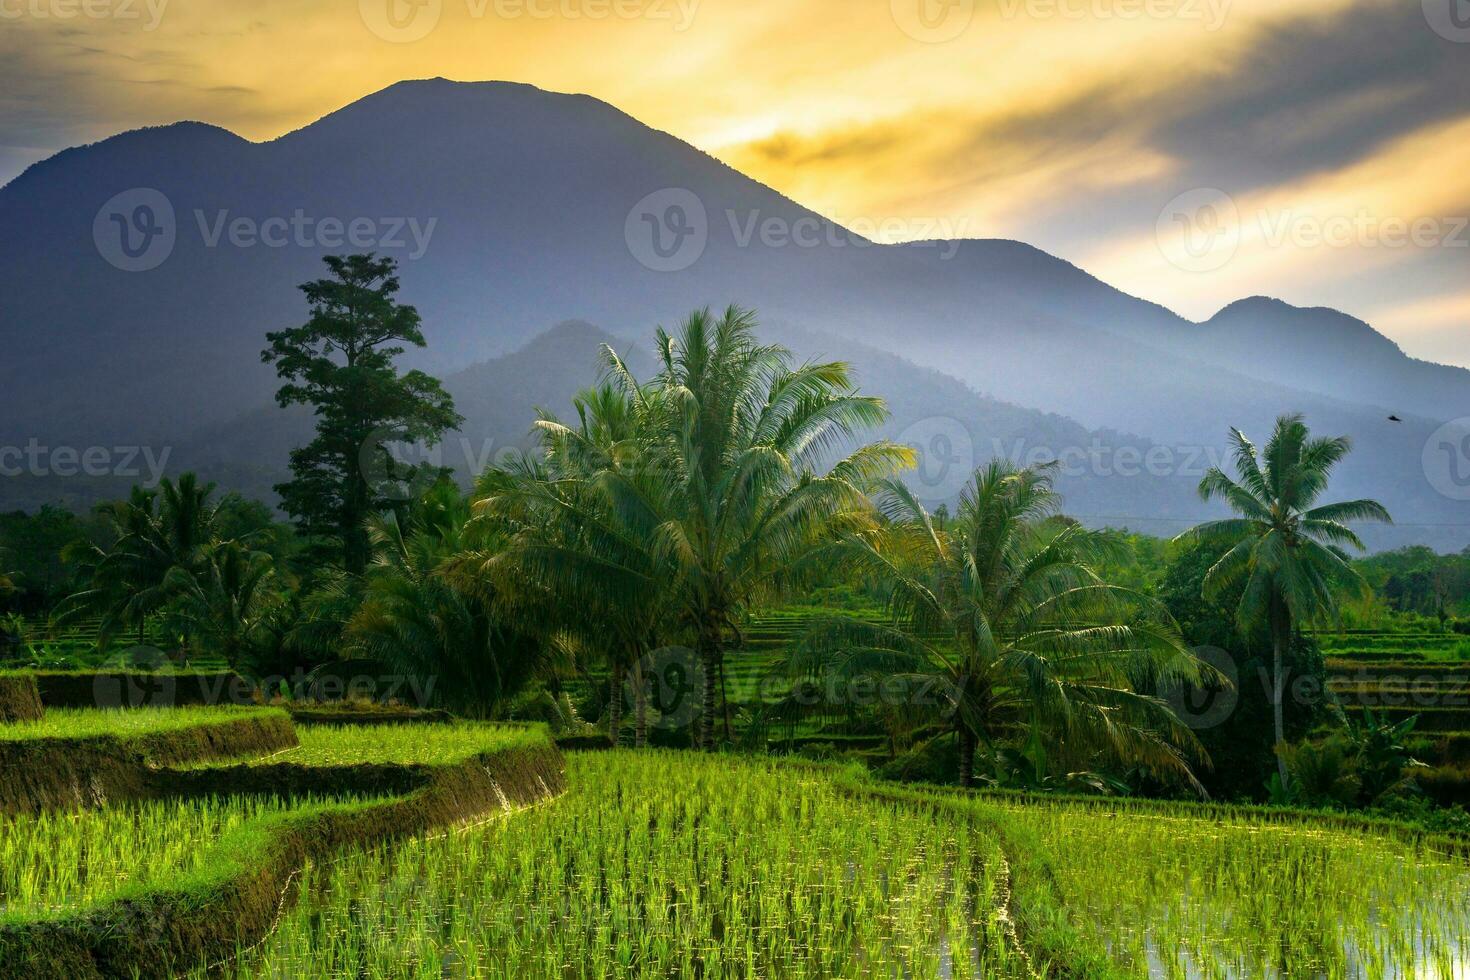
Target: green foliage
1006,631
1241,744
341,362
1285,548
426,624
704,499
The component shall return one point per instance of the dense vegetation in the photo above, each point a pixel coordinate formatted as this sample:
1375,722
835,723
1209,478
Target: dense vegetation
715,556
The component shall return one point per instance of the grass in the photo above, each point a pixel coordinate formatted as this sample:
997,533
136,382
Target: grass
78,723
421,745
664,864
55,863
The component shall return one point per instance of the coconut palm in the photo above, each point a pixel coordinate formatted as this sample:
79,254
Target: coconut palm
155,534
419,620
713,501
566,548
1001,629
1285,547
230,603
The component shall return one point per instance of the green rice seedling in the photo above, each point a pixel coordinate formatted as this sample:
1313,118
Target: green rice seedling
123,723
428,745
664,865
59,862
1177,896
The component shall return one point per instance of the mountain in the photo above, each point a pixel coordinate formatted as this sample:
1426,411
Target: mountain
511,208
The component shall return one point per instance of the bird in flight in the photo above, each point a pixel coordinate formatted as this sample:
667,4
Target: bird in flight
1394,418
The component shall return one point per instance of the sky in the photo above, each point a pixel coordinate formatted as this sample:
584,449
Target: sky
1192,152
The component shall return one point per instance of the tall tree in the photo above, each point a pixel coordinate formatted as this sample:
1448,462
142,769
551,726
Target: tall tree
1285,548
1000,619
743,480
341,362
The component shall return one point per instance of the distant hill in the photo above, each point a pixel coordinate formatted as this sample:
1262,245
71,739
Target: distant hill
512,208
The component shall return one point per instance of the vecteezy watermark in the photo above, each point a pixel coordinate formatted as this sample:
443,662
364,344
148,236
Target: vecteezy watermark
148,12
1099,459
1203,229
35,459
1450,19
946,458
138,230
933,21
670,229
406,21
1199,231
1446,459
1212,702
397,467
938,21
135,231
671,682
1210,14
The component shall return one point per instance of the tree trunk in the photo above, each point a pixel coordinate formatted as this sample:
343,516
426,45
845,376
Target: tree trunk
967,755
615,705
709,656
640,707
1278,698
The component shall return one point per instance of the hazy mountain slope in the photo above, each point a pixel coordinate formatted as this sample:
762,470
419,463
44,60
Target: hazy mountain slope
526,208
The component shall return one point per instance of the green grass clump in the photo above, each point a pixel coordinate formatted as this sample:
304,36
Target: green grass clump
664,864
62,862
1173,896
76,723
426,745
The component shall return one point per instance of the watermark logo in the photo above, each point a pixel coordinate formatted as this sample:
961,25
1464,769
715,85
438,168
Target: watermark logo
132,680
35,459
672,680
407,21
946,458
136,230
149,11
668,230
933,21
1199,231
1450,19
398,467
1211,704
1446,459
401,21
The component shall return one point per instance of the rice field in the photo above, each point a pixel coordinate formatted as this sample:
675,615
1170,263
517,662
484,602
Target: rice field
122,723
1179,896
664,865
428,745
59,862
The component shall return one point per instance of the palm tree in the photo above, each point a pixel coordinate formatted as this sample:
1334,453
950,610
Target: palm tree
230,603
156,535
710,499
1285,547
1001,628
419,620
563,548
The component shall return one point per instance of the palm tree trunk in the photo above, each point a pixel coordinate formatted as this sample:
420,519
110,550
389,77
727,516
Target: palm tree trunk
967,755
615,704
709,656
640,707
1278,697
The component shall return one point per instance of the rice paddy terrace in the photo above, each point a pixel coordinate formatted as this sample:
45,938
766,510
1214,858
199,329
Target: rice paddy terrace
244,845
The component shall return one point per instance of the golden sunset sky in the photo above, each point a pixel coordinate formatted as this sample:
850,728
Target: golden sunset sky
1332,136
